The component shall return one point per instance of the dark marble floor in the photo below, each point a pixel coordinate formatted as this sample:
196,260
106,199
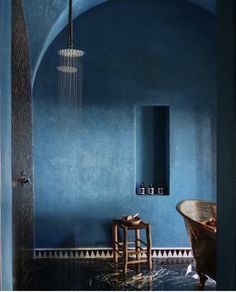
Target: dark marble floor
167,274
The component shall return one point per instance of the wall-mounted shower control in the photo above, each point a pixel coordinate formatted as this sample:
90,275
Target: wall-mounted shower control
24,179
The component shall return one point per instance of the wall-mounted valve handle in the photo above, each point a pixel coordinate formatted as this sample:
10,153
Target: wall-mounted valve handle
24,179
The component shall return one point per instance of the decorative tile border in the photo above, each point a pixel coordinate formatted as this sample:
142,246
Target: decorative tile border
104,253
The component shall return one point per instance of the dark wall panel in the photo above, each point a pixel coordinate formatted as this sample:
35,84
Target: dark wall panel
226,145
21,149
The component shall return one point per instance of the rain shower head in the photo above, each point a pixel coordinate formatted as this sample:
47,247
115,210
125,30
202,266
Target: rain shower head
68,56
69,60
67,69
70,53
70,71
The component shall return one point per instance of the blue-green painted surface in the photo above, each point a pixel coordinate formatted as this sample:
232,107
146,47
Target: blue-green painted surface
209,5
47,18
5,130
137,53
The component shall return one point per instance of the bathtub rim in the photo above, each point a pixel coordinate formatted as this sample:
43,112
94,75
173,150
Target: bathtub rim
199,223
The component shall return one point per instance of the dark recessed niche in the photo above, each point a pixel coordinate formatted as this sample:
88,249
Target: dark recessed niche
152,148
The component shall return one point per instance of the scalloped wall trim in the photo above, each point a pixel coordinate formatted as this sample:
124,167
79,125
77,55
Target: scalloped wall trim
103,253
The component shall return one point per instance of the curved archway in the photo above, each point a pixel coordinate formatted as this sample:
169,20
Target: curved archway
46,19
54,14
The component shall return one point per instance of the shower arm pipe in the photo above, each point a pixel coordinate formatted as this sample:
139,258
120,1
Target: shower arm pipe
70,26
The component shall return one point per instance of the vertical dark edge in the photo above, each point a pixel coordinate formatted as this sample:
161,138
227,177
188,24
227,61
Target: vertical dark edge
167,150
21,152
226,146
70,26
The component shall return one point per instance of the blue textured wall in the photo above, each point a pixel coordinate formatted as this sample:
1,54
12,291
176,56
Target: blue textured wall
209,5
137,53
46,19
5,130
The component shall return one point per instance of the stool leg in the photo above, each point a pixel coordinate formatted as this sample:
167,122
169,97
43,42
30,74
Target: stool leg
114,241
137,243
137,247
149,246
125,249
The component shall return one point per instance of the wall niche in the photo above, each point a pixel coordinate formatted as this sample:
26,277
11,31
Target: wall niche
152,149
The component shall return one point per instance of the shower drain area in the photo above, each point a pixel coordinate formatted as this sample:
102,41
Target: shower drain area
174,274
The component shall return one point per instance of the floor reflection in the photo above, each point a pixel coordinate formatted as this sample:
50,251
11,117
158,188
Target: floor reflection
73,274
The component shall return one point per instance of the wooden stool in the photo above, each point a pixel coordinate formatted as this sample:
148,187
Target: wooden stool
121,248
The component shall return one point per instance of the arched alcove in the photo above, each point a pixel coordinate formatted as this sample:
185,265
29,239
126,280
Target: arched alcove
137,53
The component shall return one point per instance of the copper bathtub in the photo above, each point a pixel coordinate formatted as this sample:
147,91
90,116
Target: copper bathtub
202,237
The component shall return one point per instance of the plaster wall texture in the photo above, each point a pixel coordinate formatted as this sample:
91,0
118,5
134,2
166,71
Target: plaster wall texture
5,132
47,18
137,53
209,5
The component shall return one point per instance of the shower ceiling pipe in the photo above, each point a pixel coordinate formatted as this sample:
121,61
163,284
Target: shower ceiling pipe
70,72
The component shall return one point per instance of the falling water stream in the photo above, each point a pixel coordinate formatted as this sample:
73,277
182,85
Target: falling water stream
70,80
69,92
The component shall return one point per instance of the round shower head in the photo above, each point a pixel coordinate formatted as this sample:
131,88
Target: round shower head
70,72
70,53
68,60
67,69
